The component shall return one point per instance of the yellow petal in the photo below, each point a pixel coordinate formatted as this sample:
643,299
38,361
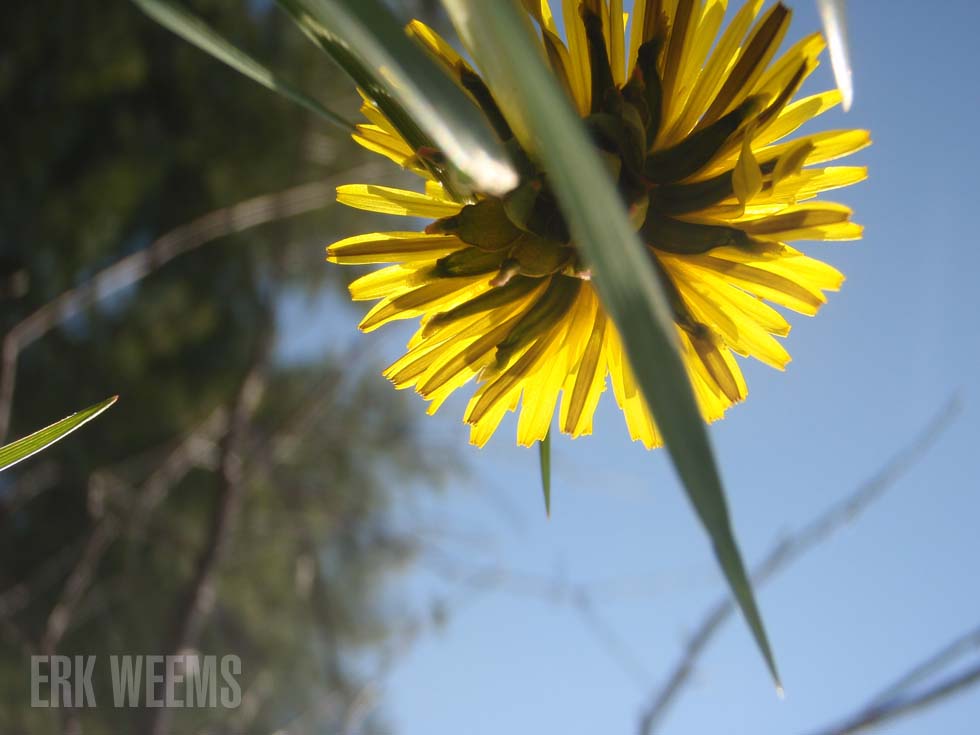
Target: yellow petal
810,182
722,60
500,387
481,432
747,176
763,282
744,335
431,296
803,52
578,51
692,73
541,396
469,358
682,33
639,422
384,282
795,114
754,56
387,200
392,152
392,247
561,65
810,221
809,272
827,146
584,386
435,43
790,163
370,110
617,41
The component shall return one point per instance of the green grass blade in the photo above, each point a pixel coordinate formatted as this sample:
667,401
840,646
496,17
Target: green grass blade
544,458
502,42
413,91
194,30
21,449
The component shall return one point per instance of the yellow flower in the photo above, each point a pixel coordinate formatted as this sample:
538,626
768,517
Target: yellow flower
693,128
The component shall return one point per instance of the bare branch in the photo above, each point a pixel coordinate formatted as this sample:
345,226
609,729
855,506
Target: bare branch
77,584
133,268
899,701
14,636
932,665
18,596
788,551
40,477
185,456
192,609
605,636
192,451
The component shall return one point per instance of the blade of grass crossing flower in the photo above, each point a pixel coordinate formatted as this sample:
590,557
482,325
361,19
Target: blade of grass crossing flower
409,86
502,43
544,458
370,84
362,76
192,29
21,449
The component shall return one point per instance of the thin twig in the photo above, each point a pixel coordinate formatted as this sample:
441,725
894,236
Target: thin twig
935,663
878,713
42,476
77,584
788,551
192,609
611,643
192,451
577,596
18,596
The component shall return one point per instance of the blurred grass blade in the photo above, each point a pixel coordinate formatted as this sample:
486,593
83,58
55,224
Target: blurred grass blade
413,91
194,30
501,40
21,449
833,15
544,458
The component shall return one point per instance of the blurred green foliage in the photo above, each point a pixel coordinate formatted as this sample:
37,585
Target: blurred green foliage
114,133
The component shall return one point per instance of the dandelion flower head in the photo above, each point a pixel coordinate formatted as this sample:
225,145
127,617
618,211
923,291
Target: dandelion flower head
695,123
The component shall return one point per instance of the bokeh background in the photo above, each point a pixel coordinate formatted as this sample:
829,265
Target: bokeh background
261,490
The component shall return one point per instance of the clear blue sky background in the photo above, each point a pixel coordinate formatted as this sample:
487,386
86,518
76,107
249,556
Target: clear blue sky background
517,657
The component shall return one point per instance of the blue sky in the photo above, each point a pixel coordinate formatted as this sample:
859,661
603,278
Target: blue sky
867,374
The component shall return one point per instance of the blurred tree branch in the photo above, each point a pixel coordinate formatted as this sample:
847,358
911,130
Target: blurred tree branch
897,700
133,268
788,551
151,538
199,595
104,533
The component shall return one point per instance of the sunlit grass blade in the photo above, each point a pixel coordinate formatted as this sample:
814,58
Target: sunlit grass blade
503,45
544,459
834,18
21,449
412,90
194,30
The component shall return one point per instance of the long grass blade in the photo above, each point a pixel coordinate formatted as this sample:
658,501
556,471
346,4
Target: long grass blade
544,459
415,93
500,39
194,30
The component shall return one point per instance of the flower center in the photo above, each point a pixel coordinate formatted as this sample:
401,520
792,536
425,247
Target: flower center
524,232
